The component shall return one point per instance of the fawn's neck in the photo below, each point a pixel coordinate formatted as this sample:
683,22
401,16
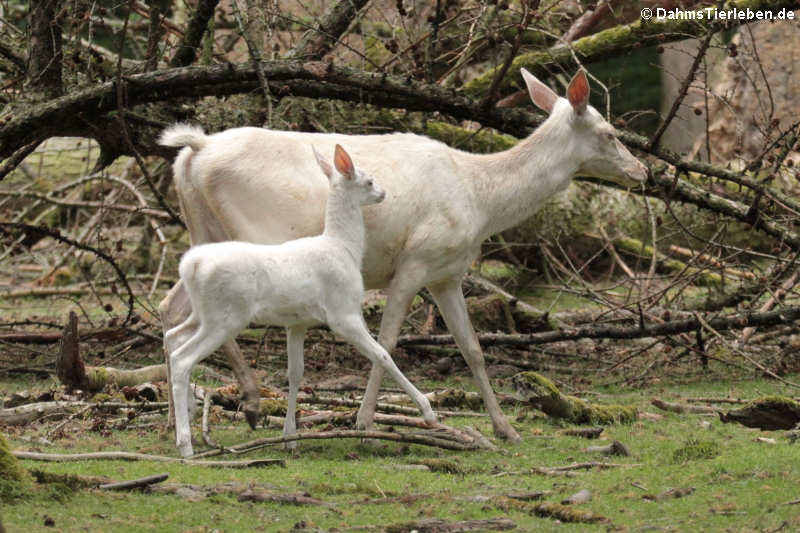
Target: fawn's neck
344,222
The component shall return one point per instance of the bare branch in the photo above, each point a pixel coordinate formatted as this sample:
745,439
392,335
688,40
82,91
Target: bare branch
318,42
187,50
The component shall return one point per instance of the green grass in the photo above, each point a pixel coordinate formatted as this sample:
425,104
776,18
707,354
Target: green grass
743,486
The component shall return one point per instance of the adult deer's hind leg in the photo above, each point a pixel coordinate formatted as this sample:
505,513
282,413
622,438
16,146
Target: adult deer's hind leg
450,300
175,309
250,394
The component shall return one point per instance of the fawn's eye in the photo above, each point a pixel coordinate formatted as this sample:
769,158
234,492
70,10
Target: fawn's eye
369,182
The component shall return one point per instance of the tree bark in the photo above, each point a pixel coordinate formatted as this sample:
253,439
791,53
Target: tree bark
44,69
187,51
318,42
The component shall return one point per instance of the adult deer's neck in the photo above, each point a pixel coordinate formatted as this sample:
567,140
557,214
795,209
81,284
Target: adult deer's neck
344,222
514,184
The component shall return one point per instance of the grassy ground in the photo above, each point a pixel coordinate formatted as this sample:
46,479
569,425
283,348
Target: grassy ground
740,483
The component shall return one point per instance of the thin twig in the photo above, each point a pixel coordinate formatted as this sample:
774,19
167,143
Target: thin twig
132,456
676,104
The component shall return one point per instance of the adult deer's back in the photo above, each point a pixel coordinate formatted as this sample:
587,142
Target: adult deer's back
259,185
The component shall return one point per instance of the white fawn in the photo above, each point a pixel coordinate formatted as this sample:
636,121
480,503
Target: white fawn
297,284
256,185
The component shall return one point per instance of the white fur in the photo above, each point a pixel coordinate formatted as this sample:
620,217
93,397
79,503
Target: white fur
259,186
296,284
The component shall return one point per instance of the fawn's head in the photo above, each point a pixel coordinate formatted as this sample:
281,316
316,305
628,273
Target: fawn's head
359,185
597,150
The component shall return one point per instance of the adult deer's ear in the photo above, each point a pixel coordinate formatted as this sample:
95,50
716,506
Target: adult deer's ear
343,163
326,167
578,91
542,95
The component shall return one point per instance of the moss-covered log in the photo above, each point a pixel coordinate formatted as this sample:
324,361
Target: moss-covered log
100,376
667,264
14,480
768,413
544,395
566,513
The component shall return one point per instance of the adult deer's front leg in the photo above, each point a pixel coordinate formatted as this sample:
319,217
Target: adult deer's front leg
405,284
450,300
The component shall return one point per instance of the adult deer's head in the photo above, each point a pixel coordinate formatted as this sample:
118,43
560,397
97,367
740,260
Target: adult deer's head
598,153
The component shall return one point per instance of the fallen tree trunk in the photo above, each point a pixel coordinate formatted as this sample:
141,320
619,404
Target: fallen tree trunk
24,414
736,321
768,413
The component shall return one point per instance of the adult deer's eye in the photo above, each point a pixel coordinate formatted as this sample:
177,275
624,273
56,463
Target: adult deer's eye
369,182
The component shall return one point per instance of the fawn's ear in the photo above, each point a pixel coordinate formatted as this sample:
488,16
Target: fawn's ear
343,163
578,91
542,95
326,167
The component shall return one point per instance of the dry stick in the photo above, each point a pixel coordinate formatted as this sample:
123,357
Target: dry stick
584,466
683,408
746,357
132,456
207,398
717,400
135,483
777,296
410,438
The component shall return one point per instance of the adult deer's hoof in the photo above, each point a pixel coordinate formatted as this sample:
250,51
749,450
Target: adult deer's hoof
251,417
250,408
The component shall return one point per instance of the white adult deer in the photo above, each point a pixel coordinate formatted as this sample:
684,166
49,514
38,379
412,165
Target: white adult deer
296,284
256,185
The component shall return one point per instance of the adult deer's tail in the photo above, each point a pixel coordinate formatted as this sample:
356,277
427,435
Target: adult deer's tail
184,135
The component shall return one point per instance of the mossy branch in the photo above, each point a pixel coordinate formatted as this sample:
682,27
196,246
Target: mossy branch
612,42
